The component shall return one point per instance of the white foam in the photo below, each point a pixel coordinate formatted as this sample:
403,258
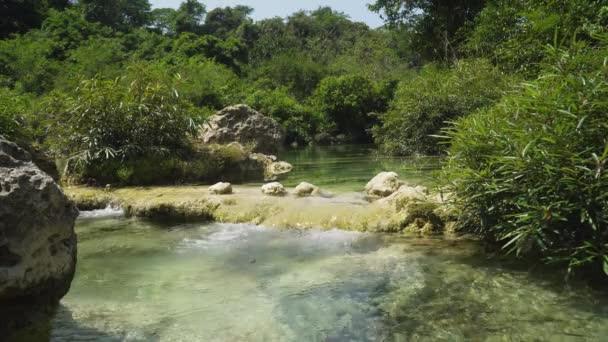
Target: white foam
109,211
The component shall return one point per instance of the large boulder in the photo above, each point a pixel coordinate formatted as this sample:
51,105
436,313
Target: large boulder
384,184
37,240
242,124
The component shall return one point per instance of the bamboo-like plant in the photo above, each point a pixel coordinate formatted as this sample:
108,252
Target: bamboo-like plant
530,173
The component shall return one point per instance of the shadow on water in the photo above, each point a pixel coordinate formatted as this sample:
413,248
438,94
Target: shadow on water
63,327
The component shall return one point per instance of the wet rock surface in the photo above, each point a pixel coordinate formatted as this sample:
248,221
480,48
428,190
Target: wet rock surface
37,240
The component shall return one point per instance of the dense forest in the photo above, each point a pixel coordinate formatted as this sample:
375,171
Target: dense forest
513,93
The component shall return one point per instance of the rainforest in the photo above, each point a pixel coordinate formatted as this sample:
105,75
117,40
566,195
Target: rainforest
191,173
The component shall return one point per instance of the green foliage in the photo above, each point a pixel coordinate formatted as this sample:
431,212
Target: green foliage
27,62
530,173
515,33
14,109
425,104
221,22
301,77
121,14
347,101
19,16
298,120
188,17
121,119
436,28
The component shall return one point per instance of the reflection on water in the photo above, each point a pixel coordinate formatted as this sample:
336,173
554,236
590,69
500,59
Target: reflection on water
350,167
142,281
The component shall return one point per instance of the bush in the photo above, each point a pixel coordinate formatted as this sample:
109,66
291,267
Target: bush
14,109
530,173
424,105
141,114
514,33
297,119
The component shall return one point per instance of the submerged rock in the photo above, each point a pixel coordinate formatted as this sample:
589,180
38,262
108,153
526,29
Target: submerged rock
383,185
37,240
242,124
221,188
305,189
273,189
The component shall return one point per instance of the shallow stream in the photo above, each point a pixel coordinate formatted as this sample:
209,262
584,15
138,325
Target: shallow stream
346,168
142,281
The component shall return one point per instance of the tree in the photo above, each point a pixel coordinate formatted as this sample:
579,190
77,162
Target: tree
436,25
163,20
515,34
189,17
120,14
224,21
19,16
347,101
425,105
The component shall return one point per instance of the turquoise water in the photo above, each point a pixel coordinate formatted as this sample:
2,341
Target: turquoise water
143,281
350,167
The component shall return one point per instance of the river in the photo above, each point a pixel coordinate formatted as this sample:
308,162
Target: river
138,280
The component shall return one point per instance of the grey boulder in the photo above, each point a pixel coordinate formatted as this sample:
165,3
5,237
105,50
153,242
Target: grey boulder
37,240
244,125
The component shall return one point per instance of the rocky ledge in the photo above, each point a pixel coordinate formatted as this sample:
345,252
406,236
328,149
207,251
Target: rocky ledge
407,209
37,241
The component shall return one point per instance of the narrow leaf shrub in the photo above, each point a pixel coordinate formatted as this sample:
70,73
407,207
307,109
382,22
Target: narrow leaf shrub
121,119
530,173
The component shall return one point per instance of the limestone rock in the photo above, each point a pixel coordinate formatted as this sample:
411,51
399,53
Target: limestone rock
277,169
406,194
242,124
273,189
305,189
384,184
37,239
221,188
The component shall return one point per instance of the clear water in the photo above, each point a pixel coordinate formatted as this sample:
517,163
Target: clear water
350,167
142,281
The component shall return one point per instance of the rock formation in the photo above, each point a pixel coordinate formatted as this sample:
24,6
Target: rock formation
37,240
305,189
384,184
274,189
242,124
221,188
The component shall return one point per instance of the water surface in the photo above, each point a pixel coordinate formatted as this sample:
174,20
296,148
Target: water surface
142,281
350,167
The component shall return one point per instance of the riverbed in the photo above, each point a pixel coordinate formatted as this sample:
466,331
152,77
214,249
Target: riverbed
139,280
143,281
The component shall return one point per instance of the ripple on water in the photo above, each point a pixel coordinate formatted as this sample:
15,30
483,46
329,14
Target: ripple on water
230,282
